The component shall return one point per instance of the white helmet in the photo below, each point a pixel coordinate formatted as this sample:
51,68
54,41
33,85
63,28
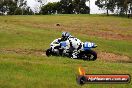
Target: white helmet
65,35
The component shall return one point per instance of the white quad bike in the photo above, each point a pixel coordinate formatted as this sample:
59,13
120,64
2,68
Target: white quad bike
86,52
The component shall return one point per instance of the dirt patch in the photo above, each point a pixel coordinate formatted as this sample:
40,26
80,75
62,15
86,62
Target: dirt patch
23,51
113,57
105,56
108,32
114,35
110,35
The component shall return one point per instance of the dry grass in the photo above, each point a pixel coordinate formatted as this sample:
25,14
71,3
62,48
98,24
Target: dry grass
112,28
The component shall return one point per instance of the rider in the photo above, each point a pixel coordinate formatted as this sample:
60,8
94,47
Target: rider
65,36
73,44
57,41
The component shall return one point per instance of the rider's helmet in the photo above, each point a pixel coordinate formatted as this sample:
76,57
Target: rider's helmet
65,35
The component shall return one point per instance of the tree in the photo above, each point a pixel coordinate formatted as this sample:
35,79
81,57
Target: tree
22,8
130,7
23,5
14,7
7,6
106,4
2,7
12,4
50,8
80,7
123,6
66,7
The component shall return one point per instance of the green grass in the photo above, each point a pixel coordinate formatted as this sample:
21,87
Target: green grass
22,70
54,72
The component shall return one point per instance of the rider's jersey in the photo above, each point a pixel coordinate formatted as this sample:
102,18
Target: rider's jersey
71,43
74,43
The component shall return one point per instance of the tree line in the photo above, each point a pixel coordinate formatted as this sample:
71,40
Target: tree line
19,7
122,7
14,7
66,7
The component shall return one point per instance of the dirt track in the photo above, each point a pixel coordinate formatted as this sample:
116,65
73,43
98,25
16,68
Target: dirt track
113,57
109,32
101,55
24,51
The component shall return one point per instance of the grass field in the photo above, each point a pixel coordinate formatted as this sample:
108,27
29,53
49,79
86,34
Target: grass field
23,39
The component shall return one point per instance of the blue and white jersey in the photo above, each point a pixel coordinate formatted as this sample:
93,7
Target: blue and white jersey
74,43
